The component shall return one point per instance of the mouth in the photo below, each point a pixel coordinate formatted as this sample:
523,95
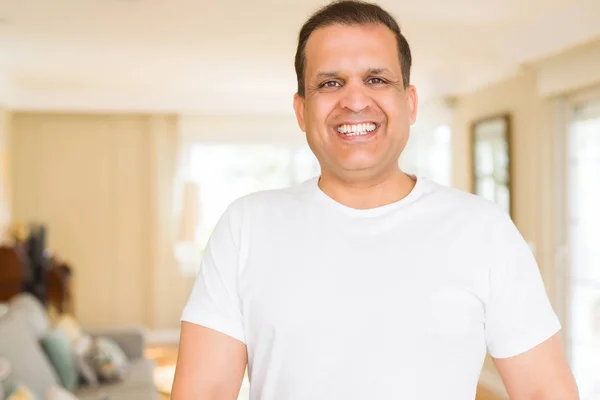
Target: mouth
352,131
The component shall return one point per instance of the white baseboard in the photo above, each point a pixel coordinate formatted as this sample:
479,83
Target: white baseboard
492,382
162,336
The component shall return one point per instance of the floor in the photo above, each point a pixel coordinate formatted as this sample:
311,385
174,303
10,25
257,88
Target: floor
166,356
483,394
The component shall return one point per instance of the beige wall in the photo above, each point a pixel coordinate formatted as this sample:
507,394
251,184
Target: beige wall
101,183
5,170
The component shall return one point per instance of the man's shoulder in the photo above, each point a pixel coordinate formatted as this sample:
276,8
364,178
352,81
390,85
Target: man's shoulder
483,223
458,201
284,197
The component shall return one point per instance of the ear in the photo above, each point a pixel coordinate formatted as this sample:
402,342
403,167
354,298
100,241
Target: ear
299,109
413,103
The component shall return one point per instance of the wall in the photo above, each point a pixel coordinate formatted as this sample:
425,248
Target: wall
5,171
529,98
573,70
90,178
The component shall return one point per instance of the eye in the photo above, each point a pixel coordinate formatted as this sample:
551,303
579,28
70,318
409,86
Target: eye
330,84
376,81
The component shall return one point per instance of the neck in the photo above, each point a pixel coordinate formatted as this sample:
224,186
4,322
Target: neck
367,193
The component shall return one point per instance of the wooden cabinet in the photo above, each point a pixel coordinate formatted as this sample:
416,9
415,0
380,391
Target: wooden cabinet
14,272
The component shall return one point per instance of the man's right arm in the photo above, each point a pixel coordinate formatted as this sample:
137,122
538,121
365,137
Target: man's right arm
210,365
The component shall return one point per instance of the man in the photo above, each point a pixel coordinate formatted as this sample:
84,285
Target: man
365,283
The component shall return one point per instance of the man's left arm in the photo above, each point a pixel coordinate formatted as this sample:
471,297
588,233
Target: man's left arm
523,333
539,373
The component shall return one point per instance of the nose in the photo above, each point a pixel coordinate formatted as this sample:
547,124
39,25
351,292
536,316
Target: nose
355,97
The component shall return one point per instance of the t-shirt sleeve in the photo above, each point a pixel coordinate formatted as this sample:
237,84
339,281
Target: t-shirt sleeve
214,302
519,315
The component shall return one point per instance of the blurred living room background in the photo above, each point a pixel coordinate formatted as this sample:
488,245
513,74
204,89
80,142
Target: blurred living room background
127,127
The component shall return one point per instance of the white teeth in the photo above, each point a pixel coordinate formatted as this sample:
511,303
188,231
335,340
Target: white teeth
358,129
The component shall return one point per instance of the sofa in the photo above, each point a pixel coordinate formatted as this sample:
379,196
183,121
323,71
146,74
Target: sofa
24,324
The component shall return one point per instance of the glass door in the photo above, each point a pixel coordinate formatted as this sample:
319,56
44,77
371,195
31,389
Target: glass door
583,244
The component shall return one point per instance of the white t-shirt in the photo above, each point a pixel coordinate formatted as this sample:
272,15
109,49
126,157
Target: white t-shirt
396,302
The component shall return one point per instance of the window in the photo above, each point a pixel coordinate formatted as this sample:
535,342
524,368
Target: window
429,154
218,174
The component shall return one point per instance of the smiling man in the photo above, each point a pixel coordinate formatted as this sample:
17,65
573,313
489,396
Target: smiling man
366,282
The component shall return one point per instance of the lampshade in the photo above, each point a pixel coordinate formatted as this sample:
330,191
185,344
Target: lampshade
190,212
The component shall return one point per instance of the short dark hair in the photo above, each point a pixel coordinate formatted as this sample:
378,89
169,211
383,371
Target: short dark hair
350,12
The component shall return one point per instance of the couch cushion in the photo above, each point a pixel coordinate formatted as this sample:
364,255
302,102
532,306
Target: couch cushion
59,393
57,346
33,312
85,365
140,375
131,339
109,360
29,365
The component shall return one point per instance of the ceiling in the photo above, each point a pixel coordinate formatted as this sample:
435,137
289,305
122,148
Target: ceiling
237,56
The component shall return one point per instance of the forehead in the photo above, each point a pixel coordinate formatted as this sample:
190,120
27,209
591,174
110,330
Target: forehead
351,47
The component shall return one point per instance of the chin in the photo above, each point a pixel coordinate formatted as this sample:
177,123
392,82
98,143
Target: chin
359,162
358,167
365,167
358,171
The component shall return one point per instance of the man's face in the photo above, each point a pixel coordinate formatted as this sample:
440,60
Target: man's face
356,112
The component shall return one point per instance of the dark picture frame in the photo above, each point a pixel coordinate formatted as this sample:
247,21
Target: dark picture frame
491,161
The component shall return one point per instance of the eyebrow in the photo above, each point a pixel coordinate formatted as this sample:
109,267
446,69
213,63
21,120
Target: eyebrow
378,71
328,74
333,74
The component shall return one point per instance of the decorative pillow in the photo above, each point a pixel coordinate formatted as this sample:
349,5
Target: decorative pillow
70,326
83,352
21,392
109,360
57,346
58,393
